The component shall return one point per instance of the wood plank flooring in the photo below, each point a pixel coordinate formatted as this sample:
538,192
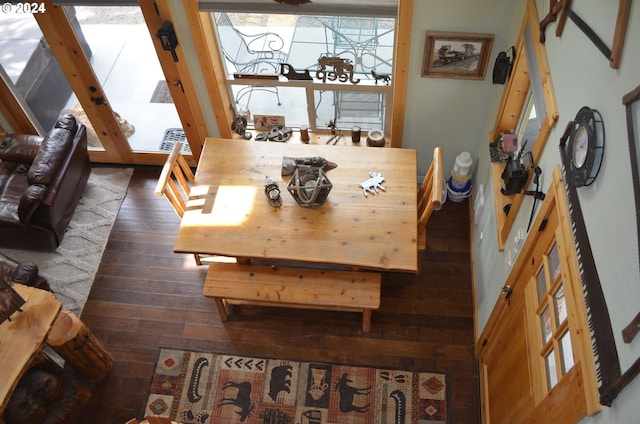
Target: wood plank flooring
145,296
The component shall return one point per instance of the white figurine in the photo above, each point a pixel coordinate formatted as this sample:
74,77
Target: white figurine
372,184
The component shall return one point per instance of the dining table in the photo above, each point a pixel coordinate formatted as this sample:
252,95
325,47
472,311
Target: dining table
228,213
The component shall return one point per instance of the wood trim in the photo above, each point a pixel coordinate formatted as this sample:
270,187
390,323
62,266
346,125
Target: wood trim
212,66
577,309
622,22
543,67
64,44
177,75
13,112
404,27
474,280
513,99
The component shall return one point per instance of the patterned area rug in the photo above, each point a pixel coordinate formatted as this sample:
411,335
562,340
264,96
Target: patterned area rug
71,268
201,387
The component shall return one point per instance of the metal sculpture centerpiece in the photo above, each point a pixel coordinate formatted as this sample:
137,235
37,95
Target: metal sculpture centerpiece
309,186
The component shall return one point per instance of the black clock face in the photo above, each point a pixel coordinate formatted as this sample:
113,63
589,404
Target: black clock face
585,147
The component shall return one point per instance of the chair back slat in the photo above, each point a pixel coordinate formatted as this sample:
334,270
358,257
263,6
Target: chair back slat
430,193
176,180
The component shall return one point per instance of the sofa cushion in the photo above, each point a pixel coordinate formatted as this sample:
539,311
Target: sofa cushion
25,273
52,153
30,201
20,148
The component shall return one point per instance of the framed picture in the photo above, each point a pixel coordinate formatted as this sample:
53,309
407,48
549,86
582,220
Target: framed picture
456,55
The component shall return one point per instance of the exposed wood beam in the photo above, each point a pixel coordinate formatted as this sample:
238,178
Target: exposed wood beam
404,26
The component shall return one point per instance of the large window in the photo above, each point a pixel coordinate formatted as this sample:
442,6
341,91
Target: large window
331,61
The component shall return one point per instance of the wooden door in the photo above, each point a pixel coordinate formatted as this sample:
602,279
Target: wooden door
505,367
535,351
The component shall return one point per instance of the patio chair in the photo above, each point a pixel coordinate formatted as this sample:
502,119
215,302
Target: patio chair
251,54
429,196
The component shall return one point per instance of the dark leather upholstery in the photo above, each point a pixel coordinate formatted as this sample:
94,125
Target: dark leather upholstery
24,273
41,181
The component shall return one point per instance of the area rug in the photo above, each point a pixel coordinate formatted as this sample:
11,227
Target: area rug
204,387
71,268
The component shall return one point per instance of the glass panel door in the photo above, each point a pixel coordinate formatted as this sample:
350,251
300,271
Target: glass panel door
125,63
31,69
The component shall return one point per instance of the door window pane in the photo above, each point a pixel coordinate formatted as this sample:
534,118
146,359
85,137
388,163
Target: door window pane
30,66
560,305
552,374
566,352
126,64
545,323
541,285
554,262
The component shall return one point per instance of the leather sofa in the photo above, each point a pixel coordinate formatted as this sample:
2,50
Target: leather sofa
41,181
25,273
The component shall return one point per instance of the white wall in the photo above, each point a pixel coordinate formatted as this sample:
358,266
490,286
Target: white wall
452,113
582,77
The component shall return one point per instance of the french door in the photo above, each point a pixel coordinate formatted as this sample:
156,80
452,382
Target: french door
108,60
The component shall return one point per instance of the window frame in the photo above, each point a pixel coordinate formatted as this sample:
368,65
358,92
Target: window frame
203,38
311,87
530,72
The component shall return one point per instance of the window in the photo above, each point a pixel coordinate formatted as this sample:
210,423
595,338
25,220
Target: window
552,312
339,56
528,90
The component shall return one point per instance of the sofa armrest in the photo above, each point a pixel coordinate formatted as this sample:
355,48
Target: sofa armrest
21,148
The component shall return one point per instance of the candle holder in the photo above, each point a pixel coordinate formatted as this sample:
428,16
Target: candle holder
309,186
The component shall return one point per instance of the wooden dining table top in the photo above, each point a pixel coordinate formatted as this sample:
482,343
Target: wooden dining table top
228,213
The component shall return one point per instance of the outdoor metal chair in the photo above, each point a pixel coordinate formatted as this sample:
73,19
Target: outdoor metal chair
251,54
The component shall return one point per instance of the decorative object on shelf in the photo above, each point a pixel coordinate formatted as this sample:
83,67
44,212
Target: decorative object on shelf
304,133
355,134
456,55
503,65
290,164
342,69
309,186
585,147
287,71
280,134
563,8
386,78
10,301
239,126
373,184
516,171
267,122
375,138
272,191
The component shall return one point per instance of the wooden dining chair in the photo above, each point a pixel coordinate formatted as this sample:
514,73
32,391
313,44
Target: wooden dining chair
429,196
175,182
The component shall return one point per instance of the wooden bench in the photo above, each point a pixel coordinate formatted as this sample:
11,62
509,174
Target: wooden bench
309,288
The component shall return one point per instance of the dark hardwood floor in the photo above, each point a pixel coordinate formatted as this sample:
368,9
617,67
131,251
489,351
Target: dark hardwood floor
145,296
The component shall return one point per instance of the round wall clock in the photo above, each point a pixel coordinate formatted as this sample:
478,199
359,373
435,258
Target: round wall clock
585,147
